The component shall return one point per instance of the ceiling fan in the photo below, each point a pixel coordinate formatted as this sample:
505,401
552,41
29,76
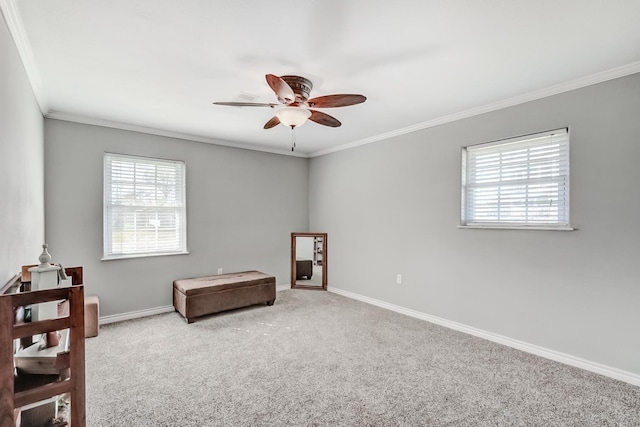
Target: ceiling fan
295,107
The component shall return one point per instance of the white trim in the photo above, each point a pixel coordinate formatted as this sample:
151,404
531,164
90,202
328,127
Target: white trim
603,76
104,320
113,318
14,23
524,227
596,78
146,255
75,118
21,41
498,144
557,356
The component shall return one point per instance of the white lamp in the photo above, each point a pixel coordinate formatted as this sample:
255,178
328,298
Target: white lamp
293,116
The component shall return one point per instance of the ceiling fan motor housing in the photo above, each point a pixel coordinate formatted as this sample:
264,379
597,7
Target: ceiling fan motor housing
300,86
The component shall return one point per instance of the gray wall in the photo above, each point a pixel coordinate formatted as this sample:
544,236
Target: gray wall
394,206
21,164
241,208
389,207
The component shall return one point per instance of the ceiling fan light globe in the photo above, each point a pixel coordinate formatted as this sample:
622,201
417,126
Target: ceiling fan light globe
293,116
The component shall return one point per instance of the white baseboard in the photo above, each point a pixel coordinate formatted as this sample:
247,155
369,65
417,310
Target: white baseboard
135,314
557,356
157,310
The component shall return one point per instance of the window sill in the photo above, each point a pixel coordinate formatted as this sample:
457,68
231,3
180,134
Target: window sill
127,256
513,227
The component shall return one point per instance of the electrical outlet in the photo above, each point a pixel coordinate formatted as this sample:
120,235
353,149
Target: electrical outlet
399,279
219,271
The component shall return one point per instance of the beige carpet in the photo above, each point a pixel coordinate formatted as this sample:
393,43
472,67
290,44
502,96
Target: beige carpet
316,278
320,359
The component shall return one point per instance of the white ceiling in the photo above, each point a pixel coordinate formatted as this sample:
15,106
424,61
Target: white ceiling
161,63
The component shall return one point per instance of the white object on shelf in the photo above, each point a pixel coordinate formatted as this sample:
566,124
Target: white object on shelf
44,278
36,359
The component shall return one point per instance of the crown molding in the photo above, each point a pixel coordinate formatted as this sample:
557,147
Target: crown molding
21,40
603,76
68,117
14,23
590,80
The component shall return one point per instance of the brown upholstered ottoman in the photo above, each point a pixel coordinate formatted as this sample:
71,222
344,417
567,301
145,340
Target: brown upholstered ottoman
200,296
304,268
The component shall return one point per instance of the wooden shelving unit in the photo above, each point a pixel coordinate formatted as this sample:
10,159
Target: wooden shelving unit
317,250
19,389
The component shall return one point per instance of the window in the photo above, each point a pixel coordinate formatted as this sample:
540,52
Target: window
144,207
517,183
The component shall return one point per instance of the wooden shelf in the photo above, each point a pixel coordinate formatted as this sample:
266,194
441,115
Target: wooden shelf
317,250
24,389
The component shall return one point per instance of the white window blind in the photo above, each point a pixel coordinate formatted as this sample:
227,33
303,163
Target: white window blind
519,182
144,206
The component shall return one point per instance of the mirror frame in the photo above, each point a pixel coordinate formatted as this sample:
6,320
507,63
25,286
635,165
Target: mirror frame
324,261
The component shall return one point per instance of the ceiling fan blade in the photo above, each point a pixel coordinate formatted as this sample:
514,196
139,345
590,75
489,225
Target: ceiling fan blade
283,91
342,100
275,121
246,104
324,119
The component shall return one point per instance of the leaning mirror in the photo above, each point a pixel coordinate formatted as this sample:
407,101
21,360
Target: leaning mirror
309,261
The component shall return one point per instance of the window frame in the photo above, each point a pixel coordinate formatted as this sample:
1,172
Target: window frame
509,143
107,249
